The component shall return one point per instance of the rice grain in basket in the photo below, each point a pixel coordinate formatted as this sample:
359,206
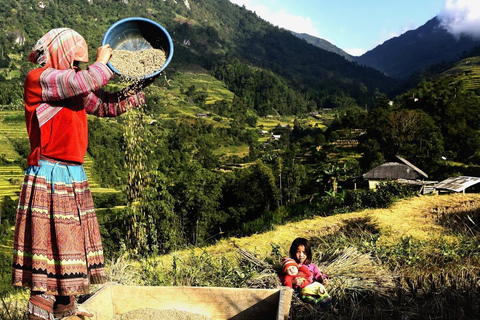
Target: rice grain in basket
137,64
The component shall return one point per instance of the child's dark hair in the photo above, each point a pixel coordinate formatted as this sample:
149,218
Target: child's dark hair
308,249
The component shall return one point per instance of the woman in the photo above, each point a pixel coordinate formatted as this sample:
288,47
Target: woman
57,247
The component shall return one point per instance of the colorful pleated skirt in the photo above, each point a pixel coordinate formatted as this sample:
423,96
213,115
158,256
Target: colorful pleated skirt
57,245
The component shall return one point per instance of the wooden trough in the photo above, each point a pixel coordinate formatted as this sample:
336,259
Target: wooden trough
212,302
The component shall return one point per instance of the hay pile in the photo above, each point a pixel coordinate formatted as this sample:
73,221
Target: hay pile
351,271
267,277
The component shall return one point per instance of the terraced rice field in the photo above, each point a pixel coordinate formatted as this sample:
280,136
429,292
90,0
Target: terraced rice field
12,126
468,71
10,179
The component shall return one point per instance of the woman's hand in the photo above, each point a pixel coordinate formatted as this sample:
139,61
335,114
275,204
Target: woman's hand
104,53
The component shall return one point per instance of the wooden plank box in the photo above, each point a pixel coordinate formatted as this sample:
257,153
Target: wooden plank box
213,302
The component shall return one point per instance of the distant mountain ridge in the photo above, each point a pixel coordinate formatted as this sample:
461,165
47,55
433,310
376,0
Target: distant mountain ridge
416,50
410,53
323,44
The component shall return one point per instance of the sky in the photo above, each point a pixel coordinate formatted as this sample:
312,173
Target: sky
359,26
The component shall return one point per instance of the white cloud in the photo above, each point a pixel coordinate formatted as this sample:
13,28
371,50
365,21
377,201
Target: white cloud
281,18
461,17
355,51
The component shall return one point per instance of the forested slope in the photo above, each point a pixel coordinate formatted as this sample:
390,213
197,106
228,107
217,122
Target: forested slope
205,32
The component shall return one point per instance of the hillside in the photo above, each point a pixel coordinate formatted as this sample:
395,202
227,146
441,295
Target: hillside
207,33
323,44
466,71
175,106
417,50
416,218
422,250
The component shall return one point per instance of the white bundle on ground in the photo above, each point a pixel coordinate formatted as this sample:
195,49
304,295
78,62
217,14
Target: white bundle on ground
353,271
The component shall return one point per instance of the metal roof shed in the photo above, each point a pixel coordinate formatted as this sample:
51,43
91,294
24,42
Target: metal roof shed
457,184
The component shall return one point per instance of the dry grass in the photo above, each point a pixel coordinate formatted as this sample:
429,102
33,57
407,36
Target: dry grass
358,272
412,217
361,283
353,273
361,286
122,271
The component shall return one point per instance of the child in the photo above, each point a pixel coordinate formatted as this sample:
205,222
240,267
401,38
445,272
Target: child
297,277
301,252
58,251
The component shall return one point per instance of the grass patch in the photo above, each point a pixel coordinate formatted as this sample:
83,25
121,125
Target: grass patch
466,71
240,151
378,260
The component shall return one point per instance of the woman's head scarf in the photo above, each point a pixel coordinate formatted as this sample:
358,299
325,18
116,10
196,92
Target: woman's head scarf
59,48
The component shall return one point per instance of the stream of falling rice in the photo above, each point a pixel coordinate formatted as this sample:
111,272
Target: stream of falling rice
132,66
136,161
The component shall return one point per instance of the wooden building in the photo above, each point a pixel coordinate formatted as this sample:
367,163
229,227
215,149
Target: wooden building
397,169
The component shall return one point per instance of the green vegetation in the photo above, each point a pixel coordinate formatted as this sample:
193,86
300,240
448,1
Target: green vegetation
399,261
235,40
252,130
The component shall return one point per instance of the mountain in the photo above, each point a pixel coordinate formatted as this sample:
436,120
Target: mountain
417,50
207,33
323,44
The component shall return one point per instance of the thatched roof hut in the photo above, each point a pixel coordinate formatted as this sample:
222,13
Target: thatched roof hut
397,168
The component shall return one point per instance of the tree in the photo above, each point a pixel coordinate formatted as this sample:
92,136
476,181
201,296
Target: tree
197,194
293,176
8,210
248,193
454,110
330,175
372,155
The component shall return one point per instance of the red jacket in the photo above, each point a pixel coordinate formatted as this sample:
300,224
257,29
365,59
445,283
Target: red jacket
56,106
303,272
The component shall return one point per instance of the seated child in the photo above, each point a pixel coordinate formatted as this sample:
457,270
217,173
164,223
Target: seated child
301,252
297,278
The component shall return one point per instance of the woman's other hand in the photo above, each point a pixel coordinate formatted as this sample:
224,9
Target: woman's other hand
104,53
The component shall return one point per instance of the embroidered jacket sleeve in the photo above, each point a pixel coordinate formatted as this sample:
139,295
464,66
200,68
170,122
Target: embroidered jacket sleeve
59,85
106,104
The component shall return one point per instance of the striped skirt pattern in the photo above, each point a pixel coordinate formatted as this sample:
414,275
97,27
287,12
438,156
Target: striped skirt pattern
57,244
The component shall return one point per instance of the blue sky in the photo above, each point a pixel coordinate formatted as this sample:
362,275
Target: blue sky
358,26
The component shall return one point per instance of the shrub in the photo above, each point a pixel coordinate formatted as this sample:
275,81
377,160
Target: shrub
109,200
